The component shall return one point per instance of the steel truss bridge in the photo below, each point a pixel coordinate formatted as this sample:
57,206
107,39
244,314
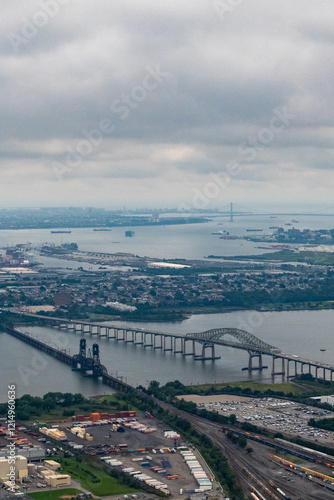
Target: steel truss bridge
186,344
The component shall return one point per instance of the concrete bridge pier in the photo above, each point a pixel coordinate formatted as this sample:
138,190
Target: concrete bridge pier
94,330
250,362
203,356
103,329
141,338
108,330
155,344
273,366
165,338
146,344
132,337
118,336
176,350
184,348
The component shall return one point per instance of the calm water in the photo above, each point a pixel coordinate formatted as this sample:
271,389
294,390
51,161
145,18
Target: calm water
191,241
302,333
295,332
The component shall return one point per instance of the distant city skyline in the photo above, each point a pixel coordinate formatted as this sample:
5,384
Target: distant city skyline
162,104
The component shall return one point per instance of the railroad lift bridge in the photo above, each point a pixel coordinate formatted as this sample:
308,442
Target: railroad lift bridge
88,365
185,345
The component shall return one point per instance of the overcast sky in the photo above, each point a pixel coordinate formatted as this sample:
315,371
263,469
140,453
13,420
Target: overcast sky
166,103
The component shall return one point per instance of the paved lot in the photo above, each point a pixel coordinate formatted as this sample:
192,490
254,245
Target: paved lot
104,440
274,414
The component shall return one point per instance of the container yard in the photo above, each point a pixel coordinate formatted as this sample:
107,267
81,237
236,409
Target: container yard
143,449
182,469
156,457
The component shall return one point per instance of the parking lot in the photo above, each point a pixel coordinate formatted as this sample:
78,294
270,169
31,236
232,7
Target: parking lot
274,414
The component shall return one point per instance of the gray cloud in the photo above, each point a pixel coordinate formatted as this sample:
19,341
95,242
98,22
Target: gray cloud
221,83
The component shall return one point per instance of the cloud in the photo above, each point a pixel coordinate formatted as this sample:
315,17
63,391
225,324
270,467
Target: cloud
221,82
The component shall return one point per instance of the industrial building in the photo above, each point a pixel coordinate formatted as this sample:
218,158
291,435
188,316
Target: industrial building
325,399
34,453
20,469
51,477
52,464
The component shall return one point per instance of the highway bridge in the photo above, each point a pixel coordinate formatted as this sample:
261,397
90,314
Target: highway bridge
186,344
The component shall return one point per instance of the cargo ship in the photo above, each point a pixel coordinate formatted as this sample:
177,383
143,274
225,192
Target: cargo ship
102,229
61,232
254,230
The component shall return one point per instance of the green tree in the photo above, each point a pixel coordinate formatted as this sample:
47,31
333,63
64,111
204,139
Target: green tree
242,441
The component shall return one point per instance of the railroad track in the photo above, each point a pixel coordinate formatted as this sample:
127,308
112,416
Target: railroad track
239,462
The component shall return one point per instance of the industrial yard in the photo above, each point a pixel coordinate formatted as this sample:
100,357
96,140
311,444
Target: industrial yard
158,460
152,455
146,450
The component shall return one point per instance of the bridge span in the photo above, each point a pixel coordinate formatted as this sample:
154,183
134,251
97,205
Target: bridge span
186,344
85,364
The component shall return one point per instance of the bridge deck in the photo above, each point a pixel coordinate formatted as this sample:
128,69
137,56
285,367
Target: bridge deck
246,341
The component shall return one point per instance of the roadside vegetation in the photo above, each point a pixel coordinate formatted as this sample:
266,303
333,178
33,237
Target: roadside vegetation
93,478
57,406
55,495
248,386
301,391
309,257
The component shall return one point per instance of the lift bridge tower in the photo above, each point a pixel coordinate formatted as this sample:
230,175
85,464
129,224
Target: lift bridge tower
91,364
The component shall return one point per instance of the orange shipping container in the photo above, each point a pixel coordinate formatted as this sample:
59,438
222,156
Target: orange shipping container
95,416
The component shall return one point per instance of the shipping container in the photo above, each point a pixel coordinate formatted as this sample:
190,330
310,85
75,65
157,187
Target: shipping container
95,416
